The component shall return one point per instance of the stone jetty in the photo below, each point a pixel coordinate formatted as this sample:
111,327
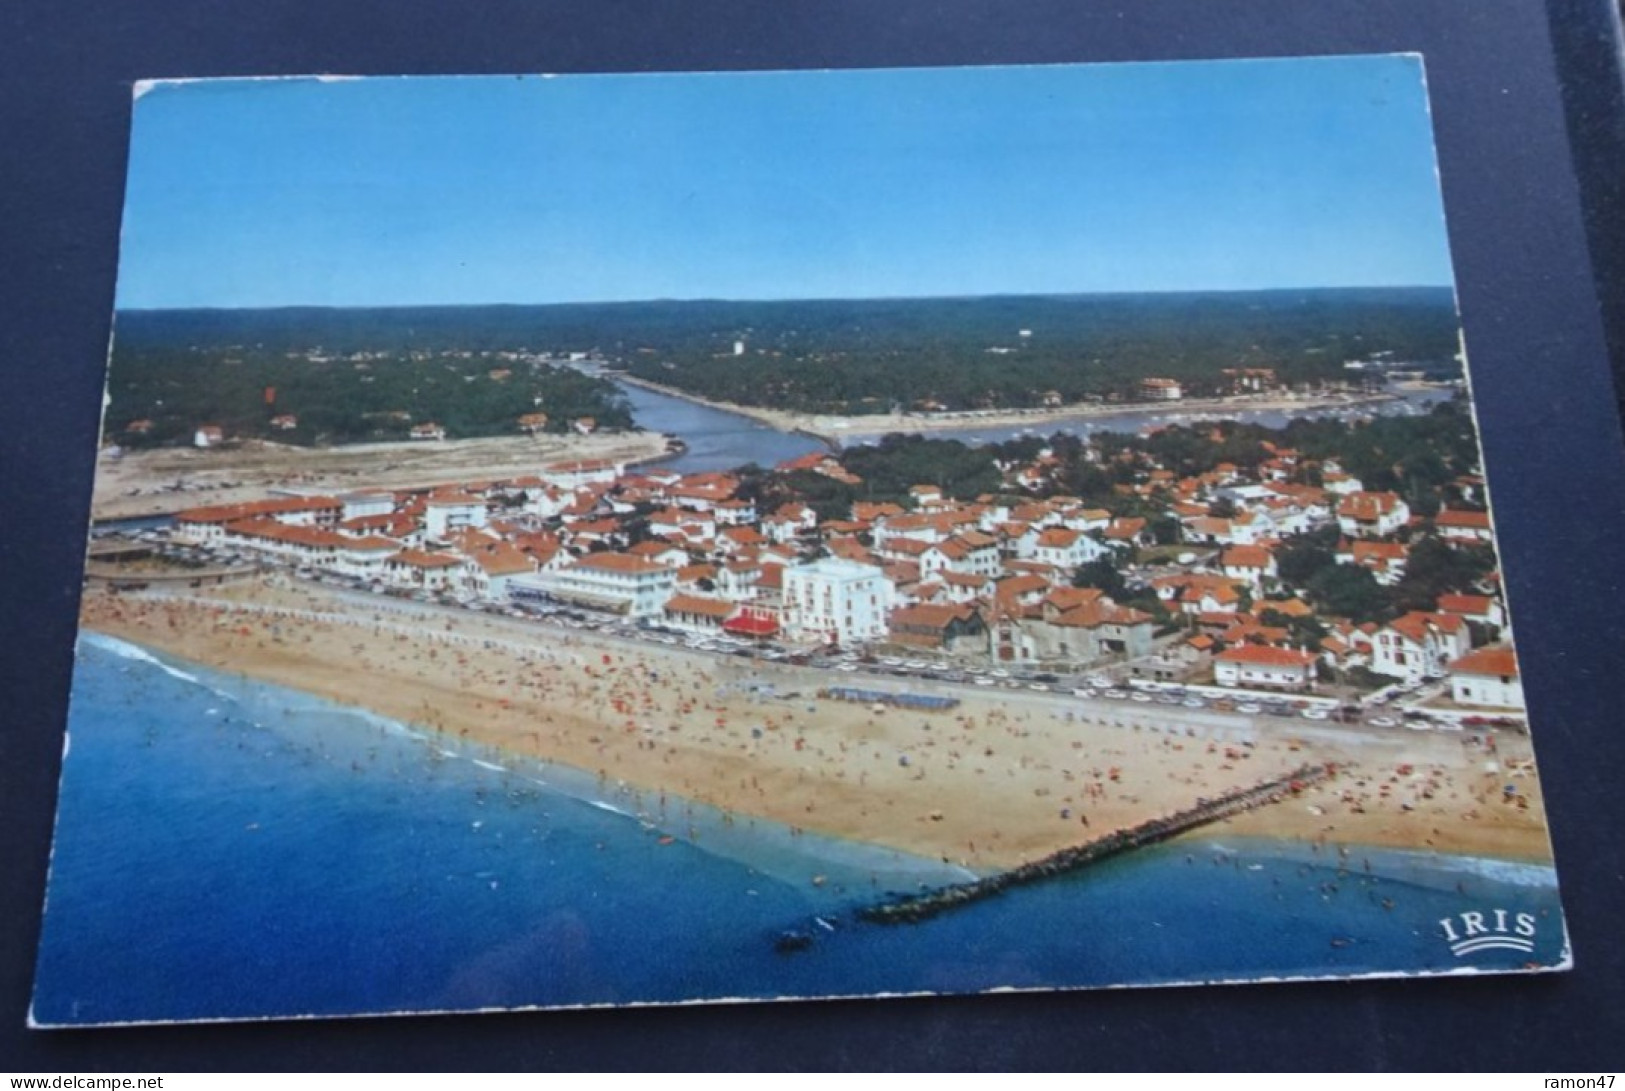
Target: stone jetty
910,908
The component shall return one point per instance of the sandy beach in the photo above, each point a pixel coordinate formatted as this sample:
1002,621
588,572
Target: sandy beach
1005,777
833,428
171,479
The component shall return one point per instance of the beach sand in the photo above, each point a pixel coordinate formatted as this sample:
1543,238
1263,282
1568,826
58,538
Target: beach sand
170,479
1005,777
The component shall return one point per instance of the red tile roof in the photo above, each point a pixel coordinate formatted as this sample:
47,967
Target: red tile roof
619,562
1467,520
1260,655
1500,662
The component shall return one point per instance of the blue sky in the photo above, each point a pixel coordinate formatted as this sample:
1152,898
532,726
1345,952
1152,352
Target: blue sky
902,182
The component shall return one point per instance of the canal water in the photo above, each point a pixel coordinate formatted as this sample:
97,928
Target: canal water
715,440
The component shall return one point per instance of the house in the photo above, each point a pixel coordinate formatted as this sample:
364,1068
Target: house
1372,514
1200,593
284,422
414,568
737,579
1161,390
531,423
661,552
208,435
1251,565
1064,548
491,569
1071,626
579,473
963,587
1463,527
1086,519
688,525
364,558
698,613
970,553
427,430
1340,484
1487,677
1384,560
740,541
925,497
790,522
1256,666
1481,610
1419,645
586,426
445,513
366,503
736,513
947,628
1126,530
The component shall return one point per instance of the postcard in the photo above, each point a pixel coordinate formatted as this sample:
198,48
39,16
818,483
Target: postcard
664,538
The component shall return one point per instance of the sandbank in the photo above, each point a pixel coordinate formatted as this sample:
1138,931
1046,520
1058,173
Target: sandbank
170,479
834,428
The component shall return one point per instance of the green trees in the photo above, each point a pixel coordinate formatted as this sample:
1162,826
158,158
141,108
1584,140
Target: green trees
1300,560
870,356
1104,575
1435,568
1346,590
898,462
334,401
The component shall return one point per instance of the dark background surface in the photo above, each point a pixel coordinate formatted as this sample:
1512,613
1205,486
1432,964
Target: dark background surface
1537,331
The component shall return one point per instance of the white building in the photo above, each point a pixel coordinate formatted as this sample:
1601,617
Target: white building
366,503
581,472
699,613
1487,677
448,512
1064,548
364,558
617,582
490,570
836,601
1251,565
1255,665
1372,514
413,568
1466,527
1417,645
207,526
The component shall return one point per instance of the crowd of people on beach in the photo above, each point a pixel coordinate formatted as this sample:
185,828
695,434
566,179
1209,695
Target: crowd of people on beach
985,783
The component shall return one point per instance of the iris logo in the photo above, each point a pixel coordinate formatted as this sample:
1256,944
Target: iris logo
1488,930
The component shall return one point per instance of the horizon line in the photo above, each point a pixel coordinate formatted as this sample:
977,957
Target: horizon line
786,299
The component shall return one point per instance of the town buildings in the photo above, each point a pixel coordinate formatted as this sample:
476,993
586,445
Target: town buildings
1190,567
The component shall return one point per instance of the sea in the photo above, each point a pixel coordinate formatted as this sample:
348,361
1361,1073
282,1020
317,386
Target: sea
227,849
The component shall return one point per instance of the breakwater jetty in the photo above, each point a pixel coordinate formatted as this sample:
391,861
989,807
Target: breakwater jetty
917,907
